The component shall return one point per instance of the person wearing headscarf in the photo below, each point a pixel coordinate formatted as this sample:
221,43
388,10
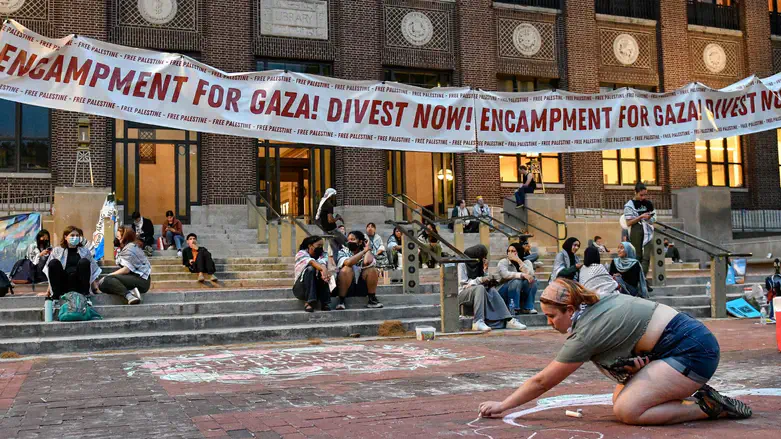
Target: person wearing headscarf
628,272
594,276
475,288
327,220
519,286
567,263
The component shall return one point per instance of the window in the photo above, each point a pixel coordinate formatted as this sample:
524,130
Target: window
420,78
719,162
524,84
550,166
25,137
310,67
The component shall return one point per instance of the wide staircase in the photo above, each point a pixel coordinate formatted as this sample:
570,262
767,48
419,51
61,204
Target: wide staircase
252,301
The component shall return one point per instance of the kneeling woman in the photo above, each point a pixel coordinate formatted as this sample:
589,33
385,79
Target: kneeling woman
70,266
672,357
131,280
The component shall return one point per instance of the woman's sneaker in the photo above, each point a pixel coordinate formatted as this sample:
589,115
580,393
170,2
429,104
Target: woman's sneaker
136,293
480,325
515,324
529,311
374,303
714,403
131,299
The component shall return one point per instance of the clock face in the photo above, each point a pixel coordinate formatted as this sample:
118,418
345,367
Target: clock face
527,39
10,6
417,28
158,11
626,49
714,57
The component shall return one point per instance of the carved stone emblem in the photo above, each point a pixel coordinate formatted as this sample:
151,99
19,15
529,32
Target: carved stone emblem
158,11
714,57
417,28
626,49
10,6
527,39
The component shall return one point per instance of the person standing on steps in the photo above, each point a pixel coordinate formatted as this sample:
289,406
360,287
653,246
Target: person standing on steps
327,220
172,230
357,274
70,266
528,185
311,275
640,216
145,232
197,259
132,279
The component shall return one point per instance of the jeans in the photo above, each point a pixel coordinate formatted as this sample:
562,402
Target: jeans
312,288
122,283
636,236
520,195
174,238
532,257
689,347
62,281
521,292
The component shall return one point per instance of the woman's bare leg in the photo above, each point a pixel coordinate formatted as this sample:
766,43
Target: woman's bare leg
655,396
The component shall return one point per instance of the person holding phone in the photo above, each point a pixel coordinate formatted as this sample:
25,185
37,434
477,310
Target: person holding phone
640,216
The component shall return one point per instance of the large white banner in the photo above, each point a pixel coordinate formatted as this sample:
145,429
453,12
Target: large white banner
85,75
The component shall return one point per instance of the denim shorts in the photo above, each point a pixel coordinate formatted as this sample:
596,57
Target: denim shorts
689,347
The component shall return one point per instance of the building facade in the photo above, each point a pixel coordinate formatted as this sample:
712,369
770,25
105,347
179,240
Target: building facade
509,45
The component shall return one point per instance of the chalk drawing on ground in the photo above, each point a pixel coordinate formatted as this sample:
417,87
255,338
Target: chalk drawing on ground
244,366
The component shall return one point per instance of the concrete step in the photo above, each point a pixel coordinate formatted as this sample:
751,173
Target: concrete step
221,268
224,275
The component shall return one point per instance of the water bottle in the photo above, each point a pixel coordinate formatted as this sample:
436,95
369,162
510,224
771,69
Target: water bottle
707,289
763,316
512,306
48,310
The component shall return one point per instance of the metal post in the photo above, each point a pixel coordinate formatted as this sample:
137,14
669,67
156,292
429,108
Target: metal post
301,233
287,238
458,235
252,216
658,269
398,210
273,239
485,237
411,276
108,241
448,298
718,287
262,227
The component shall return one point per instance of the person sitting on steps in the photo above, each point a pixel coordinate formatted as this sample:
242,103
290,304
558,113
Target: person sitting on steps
394,246
198,259
145,232
460,211
429,236
172,230
628,271
567,263
378,248
599,245
672,252
38,253
519,286
594,276
357,274
311,275
70,266
528,185
132,279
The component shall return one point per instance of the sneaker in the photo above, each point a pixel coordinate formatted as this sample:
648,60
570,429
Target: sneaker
340,307
136,293
325,307
201,278
374,304
179,253
515,324
528,311
214,278
480,325
131,299
714,403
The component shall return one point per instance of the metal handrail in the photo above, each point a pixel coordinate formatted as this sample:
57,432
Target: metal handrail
265,202
486,219
557,223
423,246
421,210
722,251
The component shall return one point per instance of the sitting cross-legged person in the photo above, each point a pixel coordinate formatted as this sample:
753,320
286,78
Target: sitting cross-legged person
358,274
197,259
132,279
70,266
311,275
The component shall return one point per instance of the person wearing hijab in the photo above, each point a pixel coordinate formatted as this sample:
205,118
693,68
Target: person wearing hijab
594,276
628,272
567,263
519,286
474,289
326,219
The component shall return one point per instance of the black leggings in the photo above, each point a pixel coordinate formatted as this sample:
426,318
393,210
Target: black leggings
62,282
203,263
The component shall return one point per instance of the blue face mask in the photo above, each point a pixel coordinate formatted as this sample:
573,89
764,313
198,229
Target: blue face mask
74,240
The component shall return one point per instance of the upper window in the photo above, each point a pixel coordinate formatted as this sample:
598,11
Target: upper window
310,67
524,84
550,166
714,13
774,6
719,162
420,78
25,138
647,9
550,4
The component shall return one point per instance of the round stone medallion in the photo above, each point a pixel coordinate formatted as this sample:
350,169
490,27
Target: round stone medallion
626,49
714,57
527,39
417,28
10,6
158,11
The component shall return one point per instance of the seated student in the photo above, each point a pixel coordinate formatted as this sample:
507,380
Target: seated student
475,288
145,232
567,263
672,252
528,185
132,279
594,276
70,266
311,275
378,248
461,211
172,231
38,253
394,246
599,245
518,282
628,272
198,259
428,235
357,275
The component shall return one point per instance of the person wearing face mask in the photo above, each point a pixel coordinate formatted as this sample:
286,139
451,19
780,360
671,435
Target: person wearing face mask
145,232
70,266
661,359
38,253
311,275
357,275
567,263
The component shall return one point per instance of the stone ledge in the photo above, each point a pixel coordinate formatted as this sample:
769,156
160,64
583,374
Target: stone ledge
715,30
775,37
739,189
31,175
530,9
618,187
547,185
626,20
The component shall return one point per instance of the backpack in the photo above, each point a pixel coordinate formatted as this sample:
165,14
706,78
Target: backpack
5,284
23,272
74,307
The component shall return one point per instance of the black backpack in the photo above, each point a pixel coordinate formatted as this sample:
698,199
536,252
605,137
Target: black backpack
5,284
23,272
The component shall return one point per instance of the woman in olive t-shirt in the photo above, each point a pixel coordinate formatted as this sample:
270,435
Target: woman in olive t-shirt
658,356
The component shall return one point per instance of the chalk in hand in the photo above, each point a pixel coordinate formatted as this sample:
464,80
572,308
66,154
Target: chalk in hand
573,414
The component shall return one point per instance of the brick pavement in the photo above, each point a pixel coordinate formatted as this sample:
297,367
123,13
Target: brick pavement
379,388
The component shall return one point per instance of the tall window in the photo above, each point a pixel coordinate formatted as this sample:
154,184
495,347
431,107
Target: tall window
313,68
719,162
525,84
420,78
628,166
25,137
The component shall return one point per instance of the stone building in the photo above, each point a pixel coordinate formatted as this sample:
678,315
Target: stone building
508,45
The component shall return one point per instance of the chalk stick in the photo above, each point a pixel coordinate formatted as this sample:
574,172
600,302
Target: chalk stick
573,414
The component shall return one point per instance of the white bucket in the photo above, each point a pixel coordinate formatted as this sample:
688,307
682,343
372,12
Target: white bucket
425,333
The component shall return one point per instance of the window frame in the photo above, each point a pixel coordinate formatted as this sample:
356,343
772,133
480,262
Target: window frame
445,77
540,157
261,64
726,163
516,79
18,139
